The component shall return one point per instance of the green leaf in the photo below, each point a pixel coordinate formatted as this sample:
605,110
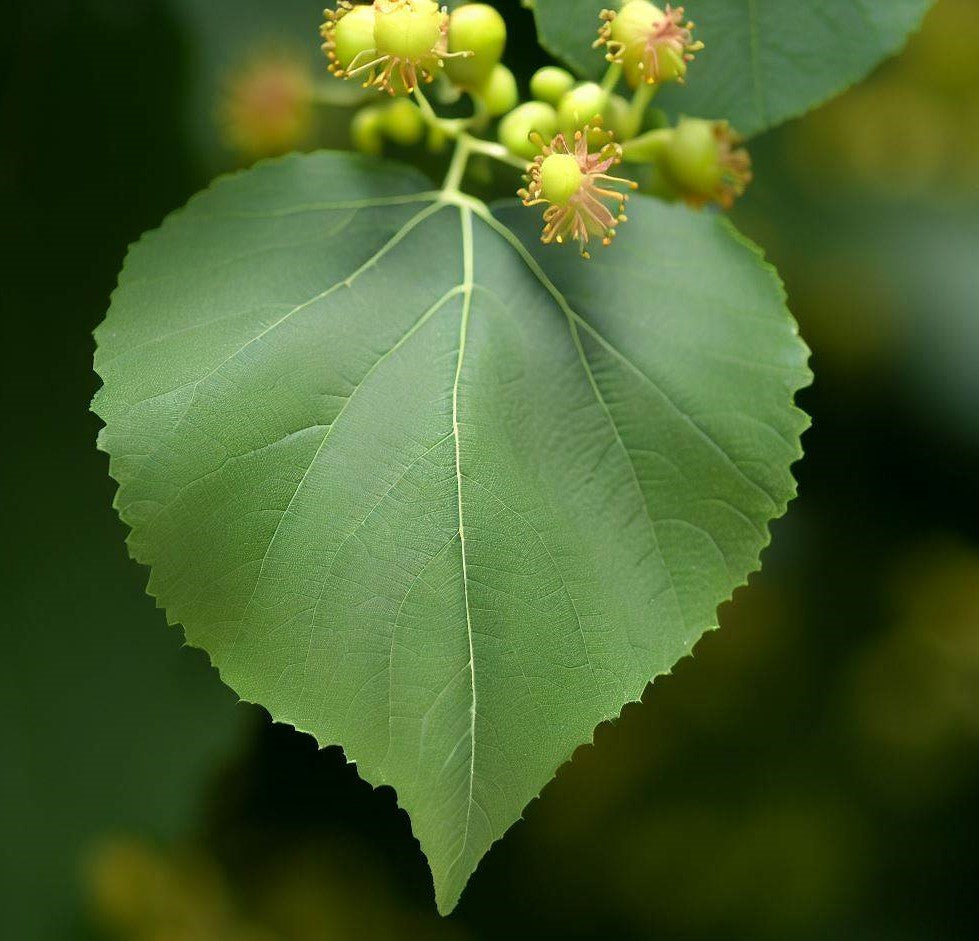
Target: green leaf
441,498
765,60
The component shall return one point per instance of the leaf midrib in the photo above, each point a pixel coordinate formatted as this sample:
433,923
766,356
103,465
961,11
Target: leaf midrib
468,265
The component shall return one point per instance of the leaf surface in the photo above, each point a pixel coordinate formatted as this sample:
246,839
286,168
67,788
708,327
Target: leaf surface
427,490
765,60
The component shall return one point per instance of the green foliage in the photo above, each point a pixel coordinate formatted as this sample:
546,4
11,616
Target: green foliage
765,60
114,728
430,490
225,39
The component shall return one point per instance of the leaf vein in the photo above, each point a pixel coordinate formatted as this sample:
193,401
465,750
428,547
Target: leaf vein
465,216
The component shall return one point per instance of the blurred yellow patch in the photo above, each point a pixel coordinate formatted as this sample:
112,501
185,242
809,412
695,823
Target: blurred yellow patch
268,106
140,892
915,693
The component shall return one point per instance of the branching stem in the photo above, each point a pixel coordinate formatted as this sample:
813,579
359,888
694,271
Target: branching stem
611,79
451,127
466,144
641,99
646,147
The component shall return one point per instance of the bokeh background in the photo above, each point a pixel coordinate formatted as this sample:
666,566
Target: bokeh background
813,772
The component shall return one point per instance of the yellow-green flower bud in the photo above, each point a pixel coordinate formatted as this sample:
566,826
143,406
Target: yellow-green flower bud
408,30
705,161
588,104
529,118
551,84
349,37
478,29
403,122
365,131
500,93
580,106
560,178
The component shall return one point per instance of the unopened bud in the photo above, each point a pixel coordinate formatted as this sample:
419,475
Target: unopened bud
532,117
580,106
706,162
477,33
348,35
560,178
403,123
550,84
365,131
500,93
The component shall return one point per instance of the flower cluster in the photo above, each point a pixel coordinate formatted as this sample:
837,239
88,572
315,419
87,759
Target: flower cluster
571,133
572,180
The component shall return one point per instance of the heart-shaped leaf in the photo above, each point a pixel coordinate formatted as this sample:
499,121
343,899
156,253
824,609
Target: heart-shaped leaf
428,490
765,60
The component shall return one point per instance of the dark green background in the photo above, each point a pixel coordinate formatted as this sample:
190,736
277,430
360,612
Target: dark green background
812,773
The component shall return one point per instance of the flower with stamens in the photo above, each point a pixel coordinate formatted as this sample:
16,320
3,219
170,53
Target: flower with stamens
572,180
395,45
706,162
653,45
